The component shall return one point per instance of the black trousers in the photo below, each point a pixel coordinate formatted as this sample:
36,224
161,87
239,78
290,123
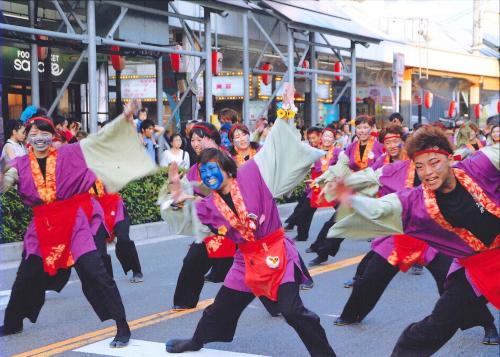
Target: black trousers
191,278
125,249
327,246
28,291
375,277
304,221
297,211
458,307
219,320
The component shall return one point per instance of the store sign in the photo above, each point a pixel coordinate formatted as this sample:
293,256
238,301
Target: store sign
16,63
139,88
228,86
398,69
324,90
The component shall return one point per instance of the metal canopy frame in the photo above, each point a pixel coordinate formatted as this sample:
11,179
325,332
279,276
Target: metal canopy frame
89,40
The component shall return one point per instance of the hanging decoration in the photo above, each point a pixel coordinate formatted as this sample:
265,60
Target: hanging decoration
428,97
175,59
337,67
451,109
305,65
43,52
216,62
266,77
498,106
477,110
117,61
417,99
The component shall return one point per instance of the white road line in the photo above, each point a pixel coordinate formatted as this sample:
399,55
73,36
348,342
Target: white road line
141,348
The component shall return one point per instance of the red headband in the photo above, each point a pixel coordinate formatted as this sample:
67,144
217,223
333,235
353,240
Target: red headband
48,121
205,129
426,151
235,127
330,130
391,136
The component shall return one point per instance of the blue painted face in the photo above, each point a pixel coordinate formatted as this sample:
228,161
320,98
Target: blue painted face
211,175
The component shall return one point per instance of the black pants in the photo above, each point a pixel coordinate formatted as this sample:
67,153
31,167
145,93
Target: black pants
297,211
327,246
304,221
219,320
375,277
458,307
191,278
28,291
125,249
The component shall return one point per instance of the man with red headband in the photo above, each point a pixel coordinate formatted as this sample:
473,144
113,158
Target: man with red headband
456,211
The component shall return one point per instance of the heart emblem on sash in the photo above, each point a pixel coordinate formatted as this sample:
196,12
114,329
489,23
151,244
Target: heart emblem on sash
371,155
272,262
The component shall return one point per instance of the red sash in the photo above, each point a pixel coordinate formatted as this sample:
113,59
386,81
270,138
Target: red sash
54,224
109,204
316,201
484,270
265,264
407,251
219,246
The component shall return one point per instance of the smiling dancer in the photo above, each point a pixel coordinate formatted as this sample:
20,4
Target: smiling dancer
242,207
65,228
456,211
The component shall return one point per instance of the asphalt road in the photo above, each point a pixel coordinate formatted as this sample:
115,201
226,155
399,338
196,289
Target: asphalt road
68,315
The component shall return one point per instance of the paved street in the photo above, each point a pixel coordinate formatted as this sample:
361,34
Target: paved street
68,316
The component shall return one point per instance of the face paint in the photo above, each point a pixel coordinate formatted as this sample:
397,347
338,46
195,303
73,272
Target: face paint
211,175
40,141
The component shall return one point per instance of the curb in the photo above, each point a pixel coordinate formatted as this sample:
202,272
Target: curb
10,252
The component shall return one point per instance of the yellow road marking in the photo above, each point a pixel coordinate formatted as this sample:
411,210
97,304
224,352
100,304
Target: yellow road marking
98,335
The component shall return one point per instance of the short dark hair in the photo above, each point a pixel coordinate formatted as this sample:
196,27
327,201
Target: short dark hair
392,128
230,113
235,127
59,120
428,137
12,125
142,110
146,124
397,116
493,120
42,125
204,129
364,119
314,129
174,136
224,160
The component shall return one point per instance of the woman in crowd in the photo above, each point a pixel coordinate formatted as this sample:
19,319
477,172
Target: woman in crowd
175,154
14,146
242,148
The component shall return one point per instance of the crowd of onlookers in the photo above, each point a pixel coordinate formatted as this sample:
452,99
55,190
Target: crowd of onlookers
166,145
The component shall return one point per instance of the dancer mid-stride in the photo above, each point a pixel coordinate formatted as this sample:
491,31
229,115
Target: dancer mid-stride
241,207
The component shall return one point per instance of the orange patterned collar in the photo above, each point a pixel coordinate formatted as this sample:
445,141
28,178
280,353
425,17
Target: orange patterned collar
479,196
471,147
46,187
240,157
410,177
325,160
362,162
243,223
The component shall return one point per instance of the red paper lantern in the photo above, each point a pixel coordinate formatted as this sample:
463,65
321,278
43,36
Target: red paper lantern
216,62
43,52
117,61
451,109
175,60
498,107
337,67
418,99
266,77
428,97
477,110
305,64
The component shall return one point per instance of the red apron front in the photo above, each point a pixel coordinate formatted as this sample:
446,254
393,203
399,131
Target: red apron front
484,270
109,204
316,201
407,251
265,264
220,247
54,223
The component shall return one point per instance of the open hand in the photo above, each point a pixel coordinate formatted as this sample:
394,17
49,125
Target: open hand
339,190
130,109
174,181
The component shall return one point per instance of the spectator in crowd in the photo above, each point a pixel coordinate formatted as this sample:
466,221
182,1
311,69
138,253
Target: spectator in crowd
14,145
228,115
175,154
314,136
396,118
148,138
468,137
491,122
345,138
494,137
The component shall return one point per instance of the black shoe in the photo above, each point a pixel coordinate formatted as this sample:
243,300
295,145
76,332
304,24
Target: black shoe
10,331
416,269
308,285
179,346
490,336
340,321
182,307
349,283
297,239
137,278
122,335
310,250
317,261
289,227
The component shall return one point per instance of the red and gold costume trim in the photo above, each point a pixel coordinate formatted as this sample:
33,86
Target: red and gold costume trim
245,225
46,187
471,147
479,196
240,157
410,177
362,162
325,160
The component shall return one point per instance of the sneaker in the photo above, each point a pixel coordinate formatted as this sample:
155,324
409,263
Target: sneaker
289,227
308,285
349,283
416,269
490,336
340,321
137,278
317,261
